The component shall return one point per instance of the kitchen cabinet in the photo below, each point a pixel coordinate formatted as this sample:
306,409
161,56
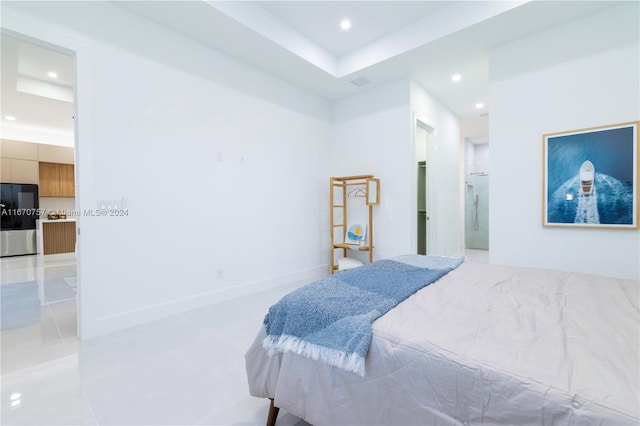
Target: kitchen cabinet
57,180
5,170
49,180
24,171
19,171
58,236
67,180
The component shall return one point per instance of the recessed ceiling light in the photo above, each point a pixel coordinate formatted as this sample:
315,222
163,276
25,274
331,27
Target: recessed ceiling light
345,24
52,74
456,77
479,105
10,117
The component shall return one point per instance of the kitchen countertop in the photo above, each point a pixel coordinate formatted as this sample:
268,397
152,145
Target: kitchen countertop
69,219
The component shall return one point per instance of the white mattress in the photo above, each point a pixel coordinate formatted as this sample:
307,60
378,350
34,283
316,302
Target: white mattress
484,345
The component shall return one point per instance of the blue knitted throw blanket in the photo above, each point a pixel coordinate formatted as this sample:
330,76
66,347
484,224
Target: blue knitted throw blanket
330,319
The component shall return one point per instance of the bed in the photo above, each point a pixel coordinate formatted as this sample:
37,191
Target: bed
483,344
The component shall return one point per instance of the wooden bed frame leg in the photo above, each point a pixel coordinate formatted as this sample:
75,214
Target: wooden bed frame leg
273,414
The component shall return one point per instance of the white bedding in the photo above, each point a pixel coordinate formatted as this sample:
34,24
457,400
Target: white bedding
485,344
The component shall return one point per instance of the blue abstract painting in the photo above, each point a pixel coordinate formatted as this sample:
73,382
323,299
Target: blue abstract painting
591,178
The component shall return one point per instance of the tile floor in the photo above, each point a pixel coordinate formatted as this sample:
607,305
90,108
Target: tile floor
479,256
37,311
186,369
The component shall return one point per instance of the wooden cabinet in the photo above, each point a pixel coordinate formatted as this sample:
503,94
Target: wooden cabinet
49,180
58,237
57,180
67,180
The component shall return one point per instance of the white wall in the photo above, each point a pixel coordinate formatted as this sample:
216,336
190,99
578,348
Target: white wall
445,167
155,111
579,75
421,136
476,158
482,158
469,158
372,135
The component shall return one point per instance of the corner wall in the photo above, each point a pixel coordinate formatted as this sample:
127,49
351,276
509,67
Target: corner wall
579,75
445,165
373,133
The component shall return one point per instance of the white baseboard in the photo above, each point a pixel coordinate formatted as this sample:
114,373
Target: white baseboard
112,323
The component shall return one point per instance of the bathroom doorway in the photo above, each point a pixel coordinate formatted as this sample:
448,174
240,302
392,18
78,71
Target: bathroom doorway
477,196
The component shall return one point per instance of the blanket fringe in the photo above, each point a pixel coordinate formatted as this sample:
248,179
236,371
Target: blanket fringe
335,357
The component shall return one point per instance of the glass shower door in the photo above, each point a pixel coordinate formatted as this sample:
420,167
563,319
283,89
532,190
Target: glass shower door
477,211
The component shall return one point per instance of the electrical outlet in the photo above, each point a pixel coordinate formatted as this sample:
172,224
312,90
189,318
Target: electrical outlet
219,156
220,274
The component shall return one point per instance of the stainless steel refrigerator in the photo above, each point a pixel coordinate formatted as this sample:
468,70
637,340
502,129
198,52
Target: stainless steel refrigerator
20,211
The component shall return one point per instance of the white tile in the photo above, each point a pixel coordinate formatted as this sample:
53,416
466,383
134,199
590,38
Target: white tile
250,411
72,344
477,256
186,369
19,269
65,317
47,394
20,305
245,411
40,334
171,389
23,359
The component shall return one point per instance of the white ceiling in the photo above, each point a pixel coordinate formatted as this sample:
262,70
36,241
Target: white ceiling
372,20
301,42
34,98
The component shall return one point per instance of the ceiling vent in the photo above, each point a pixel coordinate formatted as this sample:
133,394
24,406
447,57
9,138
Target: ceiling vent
360,81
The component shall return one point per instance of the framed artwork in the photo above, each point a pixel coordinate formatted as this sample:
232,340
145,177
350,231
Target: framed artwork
590,177
356,233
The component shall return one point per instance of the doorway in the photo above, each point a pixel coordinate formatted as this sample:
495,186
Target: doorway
40,293
422,207
477,196
424,195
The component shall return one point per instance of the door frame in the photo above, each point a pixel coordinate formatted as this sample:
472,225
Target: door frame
418,121
50,37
